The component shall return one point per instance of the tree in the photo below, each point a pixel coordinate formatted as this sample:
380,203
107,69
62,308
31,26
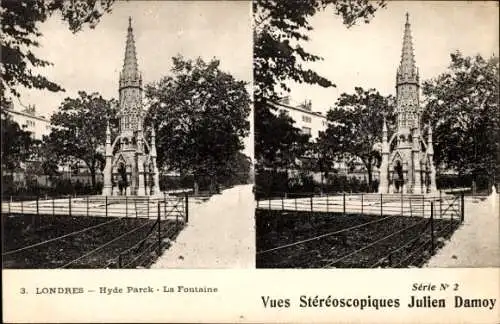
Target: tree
79,130
47,157
20,22
462,108
280,28
322,156
201,117
17,144
281,144
355,125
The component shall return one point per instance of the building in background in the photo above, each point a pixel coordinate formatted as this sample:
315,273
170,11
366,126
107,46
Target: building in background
29,120
310,122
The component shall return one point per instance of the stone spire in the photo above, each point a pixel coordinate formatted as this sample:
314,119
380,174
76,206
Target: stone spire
130,88
130,75
152,153
407,71
130,70
107,185
108,148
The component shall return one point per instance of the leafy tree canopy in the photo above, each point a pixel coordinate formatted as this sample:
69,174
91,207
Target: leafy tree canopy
462,108
280,30
281,144
79,130
355,125
20,33
201,116
17,144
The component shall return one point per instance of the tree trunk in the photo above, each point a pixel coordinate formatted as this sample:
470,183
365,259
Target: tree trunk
196,187
368,166
92,177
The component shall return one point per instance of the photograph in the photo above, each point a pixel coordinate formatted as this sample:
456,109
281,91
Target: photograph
250,161
127,135
376,134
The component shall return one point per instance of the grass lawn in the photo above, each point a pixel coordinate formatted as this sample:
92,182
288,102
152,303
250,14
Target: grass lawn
276,228
19,231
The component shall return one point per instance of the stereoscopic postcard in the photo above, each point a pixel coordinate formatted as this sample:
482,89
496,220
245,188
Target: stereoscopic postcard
306,161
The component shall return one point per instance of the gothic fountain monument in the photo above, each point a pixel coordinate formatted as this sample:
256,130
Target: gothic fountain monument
130,168
407,158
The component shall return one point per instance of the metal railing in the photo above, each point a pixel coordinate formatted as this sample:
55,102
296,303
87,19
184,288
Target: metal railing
437,213
169,215
367,204
97,206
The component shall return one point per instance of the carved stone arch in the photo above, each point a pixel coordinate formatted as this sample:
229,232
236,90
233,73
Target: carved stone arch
397,172
119,160
396,157
146,146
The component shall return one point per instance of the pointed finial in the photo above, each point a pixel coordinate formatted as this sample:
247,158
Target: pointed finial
129,22
407,17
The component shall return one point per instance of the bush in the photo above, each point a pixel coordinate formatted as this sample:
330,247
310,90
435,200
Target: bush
275,183
58,186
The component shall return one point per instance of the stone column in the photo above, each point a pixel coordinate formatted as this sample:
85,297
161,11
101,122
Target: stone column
384,166
430,156
417,178
141,190
156,174
107,185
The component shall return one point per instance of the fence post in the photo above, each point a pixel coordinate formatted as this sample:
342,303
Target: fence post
126,206
432,226
87,206
282,203
312,203
411,210
401,203
37,210
22,207
423,206
462,209
106,204
9,203
381,201
135,207
53,207
295,203
362,204
69,206
165,206
187,208
269,202
440,205
159,230
147,208
327,202
343,203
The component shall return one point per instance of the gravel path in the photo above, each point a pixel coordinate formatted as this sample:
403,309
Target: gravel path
220,234
477,242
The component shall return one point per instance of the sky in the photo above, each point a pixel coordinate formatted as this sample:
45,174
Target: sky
91,59
368,55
